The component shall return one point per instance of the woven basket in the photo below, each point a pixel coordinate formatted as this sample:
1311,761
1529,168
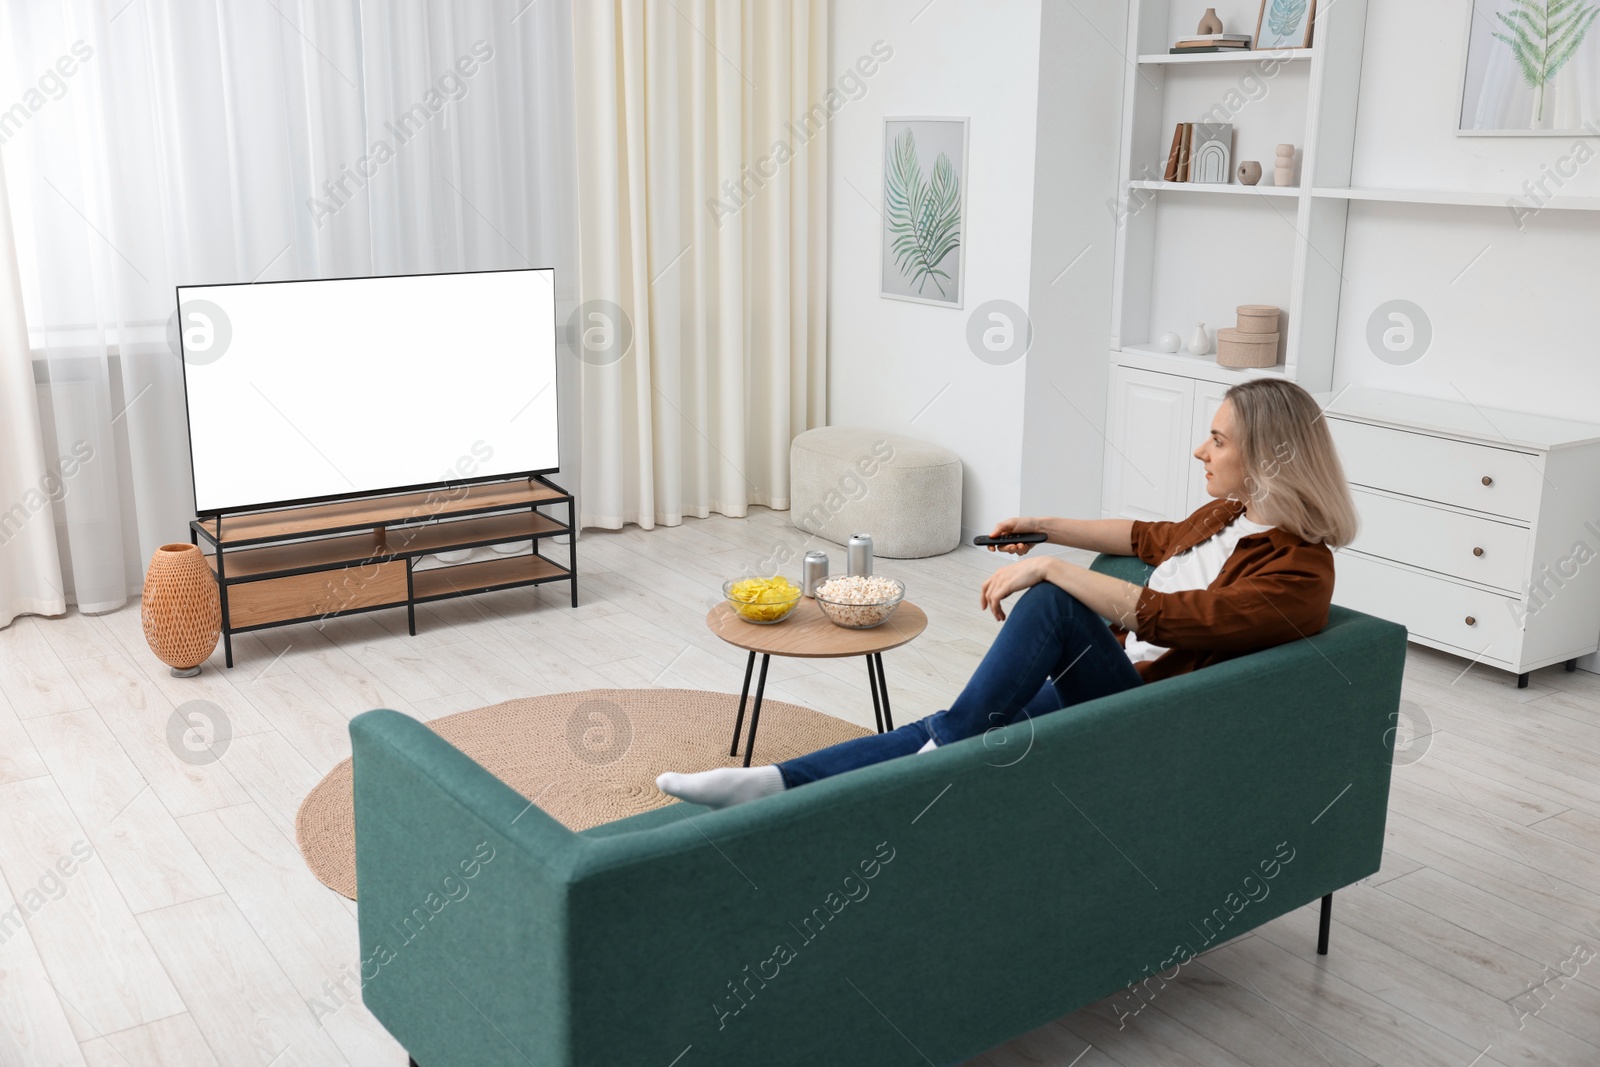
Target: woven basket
181,612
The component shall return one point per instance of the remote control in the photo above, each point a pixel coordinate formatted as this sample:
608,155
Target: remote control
983,540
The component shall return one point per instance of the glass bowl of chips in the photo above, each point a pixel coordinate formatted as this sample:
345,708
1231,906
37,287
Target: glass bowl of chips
761,600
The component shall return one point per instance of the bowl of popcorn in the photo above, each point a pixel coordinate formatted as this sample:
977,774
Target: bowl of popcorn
860,602
761,600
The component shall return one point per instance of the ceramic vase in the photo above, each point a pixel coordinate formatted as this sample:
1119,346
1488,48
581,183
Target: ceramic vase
180,609
1209,23
1199,340
1170,342
1249,172
1283,166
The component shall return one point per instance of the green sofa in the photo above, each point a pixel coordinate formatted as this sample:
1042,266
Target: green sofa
918,910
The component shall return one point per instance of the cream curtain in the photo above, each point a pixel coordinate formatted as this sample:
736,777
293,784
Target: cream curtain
702,241
30,571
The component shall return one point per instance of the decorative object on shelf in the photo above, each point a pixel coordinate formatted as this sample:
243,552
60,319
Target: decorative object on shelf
1170,342
1253,340
1249,172
1211,154
1178,158
1209,23
1513,61
1199,340
180,609
924,209
1285,24
1283,166
1258,318
1216,42
1239,348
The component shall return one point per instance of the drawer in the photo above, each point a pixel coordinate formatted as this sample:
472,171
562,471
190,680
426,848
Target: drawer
1429,607
1499,481
311,595
1465,546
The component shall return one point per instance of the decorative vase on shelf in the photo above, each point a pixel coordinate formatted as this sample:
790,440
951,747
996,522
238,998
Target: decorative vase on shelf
1249,172
180,609
1209,23
1170,342
1283,165
1199,340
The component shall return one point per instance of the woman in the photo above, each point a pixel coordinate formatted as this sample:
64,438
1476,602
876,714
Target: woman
1248,570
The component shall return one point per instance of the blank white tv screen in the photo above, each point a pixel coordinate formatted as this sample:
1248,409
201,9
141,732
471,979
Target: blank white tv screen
301,390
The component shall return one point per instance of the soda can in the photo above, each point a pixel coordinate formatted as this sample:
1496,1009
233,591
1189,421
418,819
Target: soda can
859,551
815,573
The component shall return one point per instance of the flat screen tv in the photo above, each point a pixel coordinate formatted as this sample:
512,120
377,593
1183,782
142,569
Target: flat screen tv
310,390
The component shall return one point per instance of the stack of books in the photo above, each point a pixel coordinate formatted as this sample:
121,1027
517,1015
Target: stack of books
1212,42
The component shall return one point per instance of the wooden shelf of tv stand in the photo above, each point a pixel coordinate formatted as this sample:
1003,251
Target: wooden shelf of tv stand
261,527
297,557
482,576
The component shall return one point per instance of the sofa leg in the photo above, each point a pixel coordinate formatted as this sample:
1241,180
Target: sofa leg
1522,680
1572,665
1322,927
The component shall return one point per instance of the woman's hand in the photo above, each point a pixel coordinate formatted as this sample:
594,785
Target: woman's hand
1012,578
1011,526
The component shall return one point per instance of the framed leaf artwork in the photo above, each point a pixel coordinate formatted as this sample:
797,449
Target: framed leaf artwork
1285,23
924,209
1532,69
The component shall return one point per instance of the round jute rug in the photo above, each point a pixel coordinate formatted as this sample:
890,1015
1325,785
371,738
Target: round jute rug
586,758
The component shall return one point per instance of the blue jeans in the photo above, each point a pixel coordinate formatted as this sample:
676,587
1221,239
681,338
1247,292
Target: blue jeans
1051,653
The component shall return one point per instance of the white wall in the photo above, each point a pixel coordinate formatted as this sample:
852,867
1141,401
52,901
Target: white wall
906,367
1513,309
1074,246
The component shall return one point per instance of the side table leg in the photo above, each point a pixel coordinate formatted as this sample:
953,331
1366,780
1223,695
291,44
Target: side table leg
755,711
883,687
744,694
872,684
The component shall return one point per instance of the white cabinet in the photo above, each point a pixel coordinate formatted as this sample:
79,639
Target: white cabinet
1480,529
1154,424
1148,431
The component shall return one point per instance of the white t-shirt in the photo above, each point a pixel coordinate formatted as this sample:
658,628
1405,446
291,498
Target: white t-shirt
1195,568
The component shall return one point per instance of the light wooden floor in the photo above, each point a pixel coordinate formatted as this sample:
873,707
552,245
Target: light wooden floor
195,935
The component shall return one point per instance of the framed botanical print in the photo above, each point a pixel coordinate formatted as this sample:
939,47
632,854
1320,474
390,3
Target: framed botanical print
1285,24
924,209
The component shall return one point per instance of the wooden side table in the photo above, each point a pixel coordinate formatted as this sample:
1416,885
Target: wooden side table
808,634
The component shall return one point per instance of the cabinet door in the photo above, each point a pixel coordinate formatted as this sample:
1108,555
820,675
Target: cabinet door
1207,399
1148,442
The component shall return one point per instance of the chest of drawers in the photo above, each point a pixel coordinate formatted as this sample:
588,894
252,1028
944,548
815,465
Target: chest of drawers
1480,528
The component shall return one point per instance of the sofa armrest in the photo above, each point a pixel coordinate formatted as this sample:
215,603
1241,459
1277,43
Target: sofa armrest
1128,568
463,889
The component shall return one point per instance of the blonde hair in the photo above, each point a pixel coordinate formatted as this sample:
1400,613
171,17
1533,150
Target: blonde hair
1292,470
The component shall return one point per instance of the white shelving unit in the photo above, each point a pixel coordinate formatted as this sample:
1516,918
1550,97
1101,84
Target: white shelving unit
1285,245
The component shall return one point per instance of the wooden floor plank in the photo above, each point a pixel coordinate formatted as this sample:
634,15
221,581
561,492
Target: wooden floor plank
98,960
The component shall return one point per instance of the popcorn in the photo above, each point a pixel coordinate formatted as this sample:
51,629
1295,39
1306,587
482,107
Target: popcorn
858,601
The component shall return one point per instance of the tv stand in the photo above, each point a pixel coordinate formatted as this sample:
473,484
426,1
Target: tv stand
358,554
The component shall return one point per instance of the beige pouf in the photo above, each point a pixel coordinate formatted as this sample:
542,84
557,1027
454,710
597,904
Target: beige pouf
904,492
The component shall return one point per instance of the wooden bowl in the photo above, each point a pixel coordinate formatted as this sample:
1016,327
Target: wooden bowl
1258,318
1238,348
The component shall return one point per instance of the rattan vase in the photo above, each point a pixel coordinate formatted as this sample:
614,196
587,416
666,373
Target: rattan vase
181,613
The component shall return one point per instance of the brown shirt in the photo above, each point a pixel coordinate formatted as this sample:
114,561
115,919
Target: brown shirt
1274,588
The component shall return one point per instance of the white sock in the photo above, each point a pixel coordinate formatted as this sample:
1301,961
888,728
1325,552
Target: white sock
722,787
929,745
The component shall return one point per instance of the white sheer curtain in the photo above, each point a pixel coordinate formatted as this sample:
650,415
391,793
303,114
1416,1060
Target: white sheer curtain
703,233
164,142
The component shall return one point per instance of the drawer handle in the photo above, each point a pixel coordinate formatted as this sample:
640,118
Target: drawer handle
1487,480
1471,621
1477,551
